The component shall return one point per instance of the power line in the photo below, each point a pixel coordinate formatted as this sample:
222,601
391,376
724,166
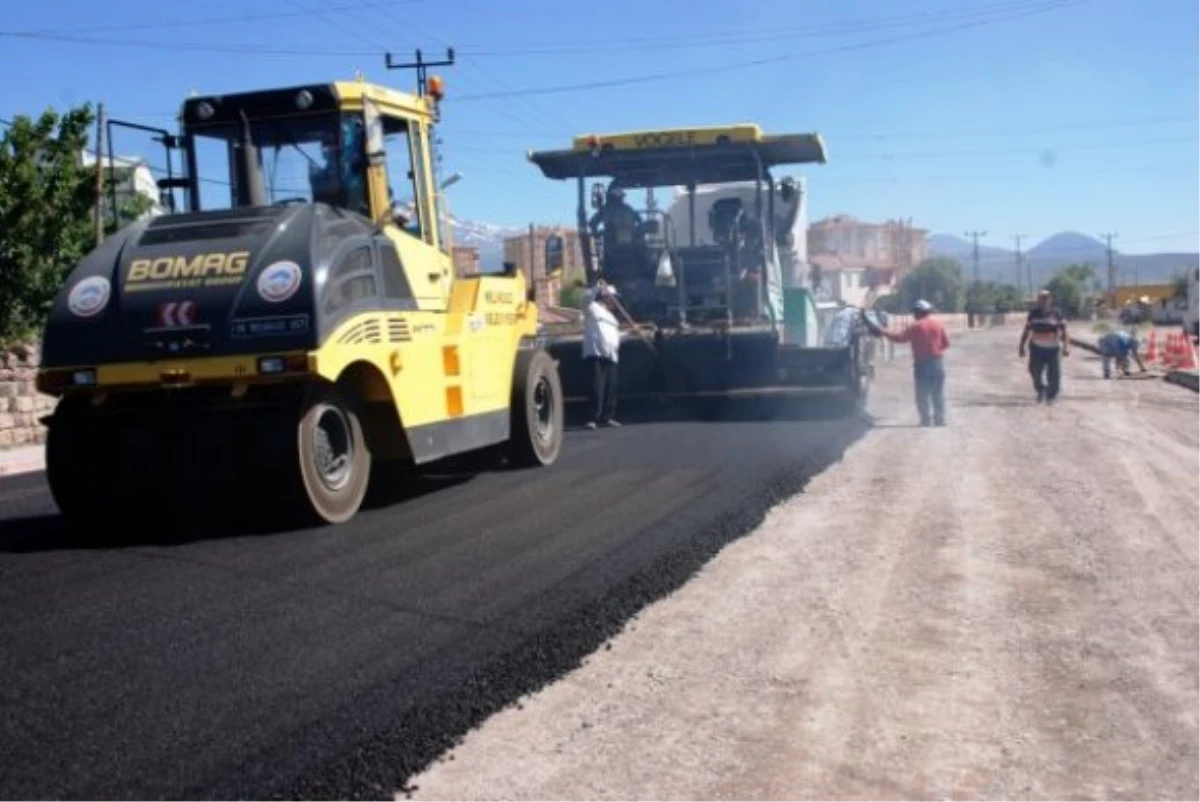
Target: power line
72,34
233,19
755,36
310,52
759,62
541,119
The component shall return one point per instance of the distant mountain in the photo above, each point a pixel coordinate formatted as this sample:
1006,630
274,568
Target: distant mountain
488,238
962,249
1057,251
1070,245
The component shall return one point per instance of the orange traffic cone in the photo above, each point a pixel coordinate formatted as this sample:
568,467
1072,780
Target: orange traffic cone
1171,351
1187,354
1152,355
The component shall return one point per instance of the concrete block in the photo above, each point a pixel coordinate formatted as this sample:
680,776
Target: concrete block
9,389
7,437
7,420
23,403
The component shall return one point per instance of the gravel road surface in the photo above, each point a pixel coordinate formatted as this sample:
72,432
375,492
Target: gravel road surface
334,663
1004,608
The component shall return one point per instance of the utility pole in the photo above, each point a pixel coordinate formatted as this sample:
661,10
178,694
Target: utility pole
1017,238
1112,271
98,214
975,235
533,274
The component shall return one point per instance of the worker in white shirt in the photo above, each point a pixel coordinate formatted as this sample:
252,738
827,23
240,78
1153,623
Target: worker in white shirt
601,343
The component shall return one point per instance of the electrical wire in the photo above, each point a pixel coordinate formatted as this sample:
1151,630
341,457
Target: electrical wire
727,38
973,18
150,26
769,60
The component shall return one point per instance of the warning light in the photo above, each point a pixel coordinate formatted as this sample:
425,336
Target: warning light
437,89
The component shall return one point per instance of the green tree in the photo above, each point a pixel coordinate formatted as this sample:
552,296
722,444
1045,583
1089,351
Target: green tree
938,280
572,294
1069,288
47,199
991,296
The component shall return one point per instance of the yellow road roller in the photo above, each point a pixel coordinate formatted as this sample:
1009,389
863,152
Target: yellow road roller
295,328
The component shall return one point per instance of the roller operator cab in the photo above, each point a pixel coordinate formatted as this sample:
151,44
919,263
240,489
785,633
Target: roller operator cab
707,266
297,328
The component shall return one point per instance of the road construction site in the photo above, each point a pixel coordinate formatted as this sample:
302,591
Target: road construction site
1005,607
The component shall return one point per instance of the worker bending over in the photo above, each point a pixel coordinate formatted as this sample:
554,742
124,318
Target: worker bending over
929,342
1119,346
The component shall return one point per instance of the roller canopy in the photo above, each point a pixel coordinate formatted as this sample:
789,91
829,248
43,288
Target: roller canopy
666,166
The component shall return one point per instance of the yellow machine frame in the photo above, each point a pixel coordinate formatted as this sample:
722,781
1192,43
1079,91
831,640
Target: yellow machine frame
449,360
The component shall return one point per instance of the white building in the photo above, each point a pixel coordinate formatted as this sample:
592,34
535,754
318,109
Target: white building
136,178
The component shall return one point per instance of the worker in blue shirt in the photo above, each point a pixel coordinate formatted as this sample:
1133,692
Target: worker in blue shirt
1119,346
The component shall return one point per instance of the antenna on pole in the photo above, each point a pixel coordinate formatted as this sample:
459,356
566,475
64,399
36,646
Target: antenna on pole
422,67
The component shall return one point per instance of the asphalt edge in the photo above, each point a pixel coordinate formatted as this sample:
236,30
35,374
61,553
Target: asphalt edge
384,763
1182,378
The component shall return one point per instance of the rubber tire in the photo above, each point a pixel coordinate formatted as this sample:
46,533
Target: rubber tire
321,504
68,468
526,448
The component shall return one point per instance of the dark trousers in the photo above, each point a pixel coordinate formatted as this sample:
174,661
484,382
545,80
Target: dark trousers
929,382
1047,361
604,389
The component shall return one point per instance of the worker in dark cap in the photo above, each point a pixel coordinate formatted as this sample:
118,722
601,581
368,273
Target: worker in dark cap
929,342
1045,334
620,221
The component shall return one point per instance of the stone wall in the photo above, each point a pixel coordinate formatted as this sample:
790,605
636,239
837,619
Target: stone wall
21,405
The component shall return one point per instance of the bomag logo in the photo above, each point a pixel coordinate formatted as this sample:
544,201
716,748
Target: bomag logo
186,272
665,139
498,297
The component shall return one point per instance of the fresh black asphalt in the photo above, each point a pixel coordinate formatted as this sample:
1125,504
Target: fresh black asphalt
338,662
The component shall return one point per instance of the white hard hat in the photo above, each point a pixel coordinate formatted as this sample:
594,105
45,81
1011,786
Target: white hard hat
922,306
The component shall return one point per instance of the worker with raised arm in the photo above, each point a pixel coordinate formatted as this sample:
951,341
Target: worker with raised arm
601,345
929,341
1045,337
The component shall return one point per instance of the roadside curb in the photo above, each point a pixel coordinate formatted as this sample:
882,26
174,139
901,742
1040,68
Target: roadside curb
20,463
1183,378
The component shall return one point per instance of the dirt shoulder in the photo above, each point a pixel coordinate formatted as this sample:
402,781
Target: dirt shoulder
1004,608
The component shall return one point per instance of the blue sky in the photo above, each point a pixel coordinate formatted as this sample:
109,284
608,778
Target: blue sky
1007,116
